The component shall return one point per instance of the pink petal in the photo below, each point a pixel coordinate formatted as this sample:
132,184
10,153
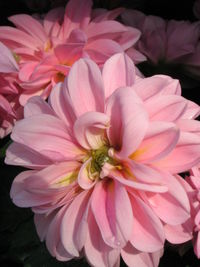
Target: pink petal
110,204
47,135
135,258
59,105
86,93
51,18
142,184
73,228
173,206
77,15
21,155
118,71
177,234
89,129
36,105
97,252
53,239
84,180
187,152
166,107
31,26
148,233
18,36
27,70
157,85
102,49
128,121
161,138
7,62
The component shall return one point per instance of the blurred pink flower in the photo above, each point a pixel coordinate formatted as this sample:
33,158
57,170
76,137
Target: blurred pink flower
166,41
103,156
196,9
46,48
10,109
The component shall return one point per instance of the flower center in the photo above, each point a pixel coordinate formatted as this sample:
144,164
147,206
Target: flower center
99,158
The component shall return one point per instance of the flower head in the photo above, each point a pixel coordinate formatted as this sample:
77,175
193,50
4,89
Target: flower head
103,156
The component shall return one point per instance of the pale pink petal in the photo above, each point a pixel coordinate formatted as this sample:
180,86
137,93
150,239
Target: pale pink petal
53,239
128,121
173,206
47,135
110,204
42,222
161,138
18,36
166,107
85,180
118,71
77,15
73,228
89,129
86,93
102,49
177,234
97,252
187,152
31,26
187,125
58,103
192,112
36,105
135,258
157,85
26,70
52,17
148,233
20,155
7,61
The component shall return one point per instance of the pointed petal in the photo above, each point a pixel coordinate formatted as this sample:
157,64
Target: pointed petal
148,233
110,204
118,71
133,257
87,92
187,152
74,224
30,25
161,138
89,129
128,121
8,63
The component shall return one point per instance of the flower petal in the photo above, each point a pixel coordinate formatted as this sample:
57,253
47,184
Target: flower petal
118,71
110,204
86,93
128,121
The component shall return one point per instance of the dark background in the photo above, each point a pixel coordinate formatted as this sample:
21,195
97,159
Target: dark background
19,244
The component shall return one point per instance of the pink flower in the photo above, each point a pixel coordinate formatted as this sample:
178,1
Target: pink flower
196,9
159,40
194,182
46,48
103,156
10,109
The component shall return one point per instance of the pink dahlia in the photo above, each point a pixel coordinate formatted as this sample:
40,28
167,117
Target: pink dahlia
46,48
103,155
159,42
10,109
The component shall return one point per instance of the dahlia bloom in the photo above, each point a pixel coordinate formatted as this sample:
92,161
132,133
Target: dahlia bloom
46,48
103,156
10,109
194,182
159,42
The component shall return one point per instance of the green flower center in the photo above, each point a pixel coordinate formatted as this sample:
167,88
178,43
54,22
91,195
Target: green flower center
99,158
